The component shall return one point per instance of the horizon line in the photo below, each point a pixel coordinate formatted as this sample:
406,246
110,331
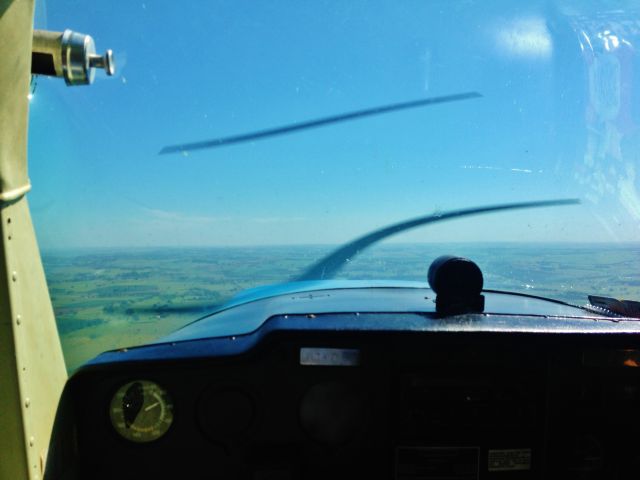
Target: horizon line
322,245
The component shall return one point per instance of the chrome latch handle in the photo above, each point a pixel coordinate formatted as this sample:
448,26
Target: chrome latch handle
70,55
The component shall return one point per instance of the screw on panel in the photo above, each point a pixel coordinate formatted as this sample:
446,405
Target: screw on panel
27,402
18,319
14,276
32,441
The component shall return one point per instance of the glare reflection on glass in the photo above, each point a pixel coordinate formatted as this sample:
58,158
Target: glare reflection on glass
525,37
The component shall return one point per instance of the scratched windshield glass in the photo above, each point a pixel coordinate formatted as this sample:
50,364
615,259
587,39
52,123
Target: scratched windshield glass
289,128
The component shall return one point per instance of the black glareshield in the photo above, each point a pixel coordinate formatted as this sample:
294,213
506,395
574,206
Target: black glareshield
458,285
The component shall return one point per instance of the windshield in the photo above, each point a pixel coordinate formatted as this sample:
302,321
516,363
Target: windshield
136,244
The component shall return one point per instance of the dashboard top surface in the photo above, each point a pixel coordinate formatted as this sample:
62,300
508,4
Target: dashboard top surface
238,330
249,311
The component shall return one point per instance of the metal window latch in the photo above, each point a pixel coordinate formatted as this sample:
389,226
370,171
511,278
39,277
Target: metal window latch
70,55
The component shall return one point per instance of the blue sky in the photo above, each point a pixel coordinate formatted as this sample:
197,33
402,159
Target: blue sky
191,71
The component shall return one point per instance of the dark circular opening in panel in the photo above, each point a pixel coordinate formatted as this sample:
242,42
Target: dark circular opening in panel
332,413
225,414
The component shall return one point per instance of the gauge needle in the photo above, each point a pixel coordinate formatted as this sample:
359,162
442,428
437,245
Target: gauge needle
153,405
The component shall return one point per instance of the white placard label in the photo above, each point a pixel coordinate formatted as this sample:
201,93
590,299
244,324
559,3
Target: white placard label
509,460
330,357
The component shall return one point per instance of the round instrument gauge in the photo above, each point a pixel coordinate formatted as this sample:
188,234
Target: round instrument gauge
141,411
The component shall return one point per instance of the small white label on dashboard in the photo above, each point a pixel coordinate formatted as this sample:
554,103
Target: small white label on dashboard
330,357
509,460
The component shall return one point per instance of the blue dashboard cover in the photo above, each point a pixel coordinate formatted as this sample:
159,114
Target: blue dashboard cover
360,306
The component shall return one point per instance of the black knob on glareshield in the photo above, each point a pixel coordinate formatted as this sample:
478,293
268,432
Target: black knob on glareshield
458,285
455,275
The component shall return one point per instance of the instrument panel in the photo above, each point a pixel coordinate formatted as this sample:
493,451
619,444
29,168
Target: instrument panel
369,405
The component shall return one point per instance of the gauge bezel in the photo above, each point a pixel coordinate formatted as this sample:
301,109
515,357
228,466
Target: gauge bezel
160,429
254,394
